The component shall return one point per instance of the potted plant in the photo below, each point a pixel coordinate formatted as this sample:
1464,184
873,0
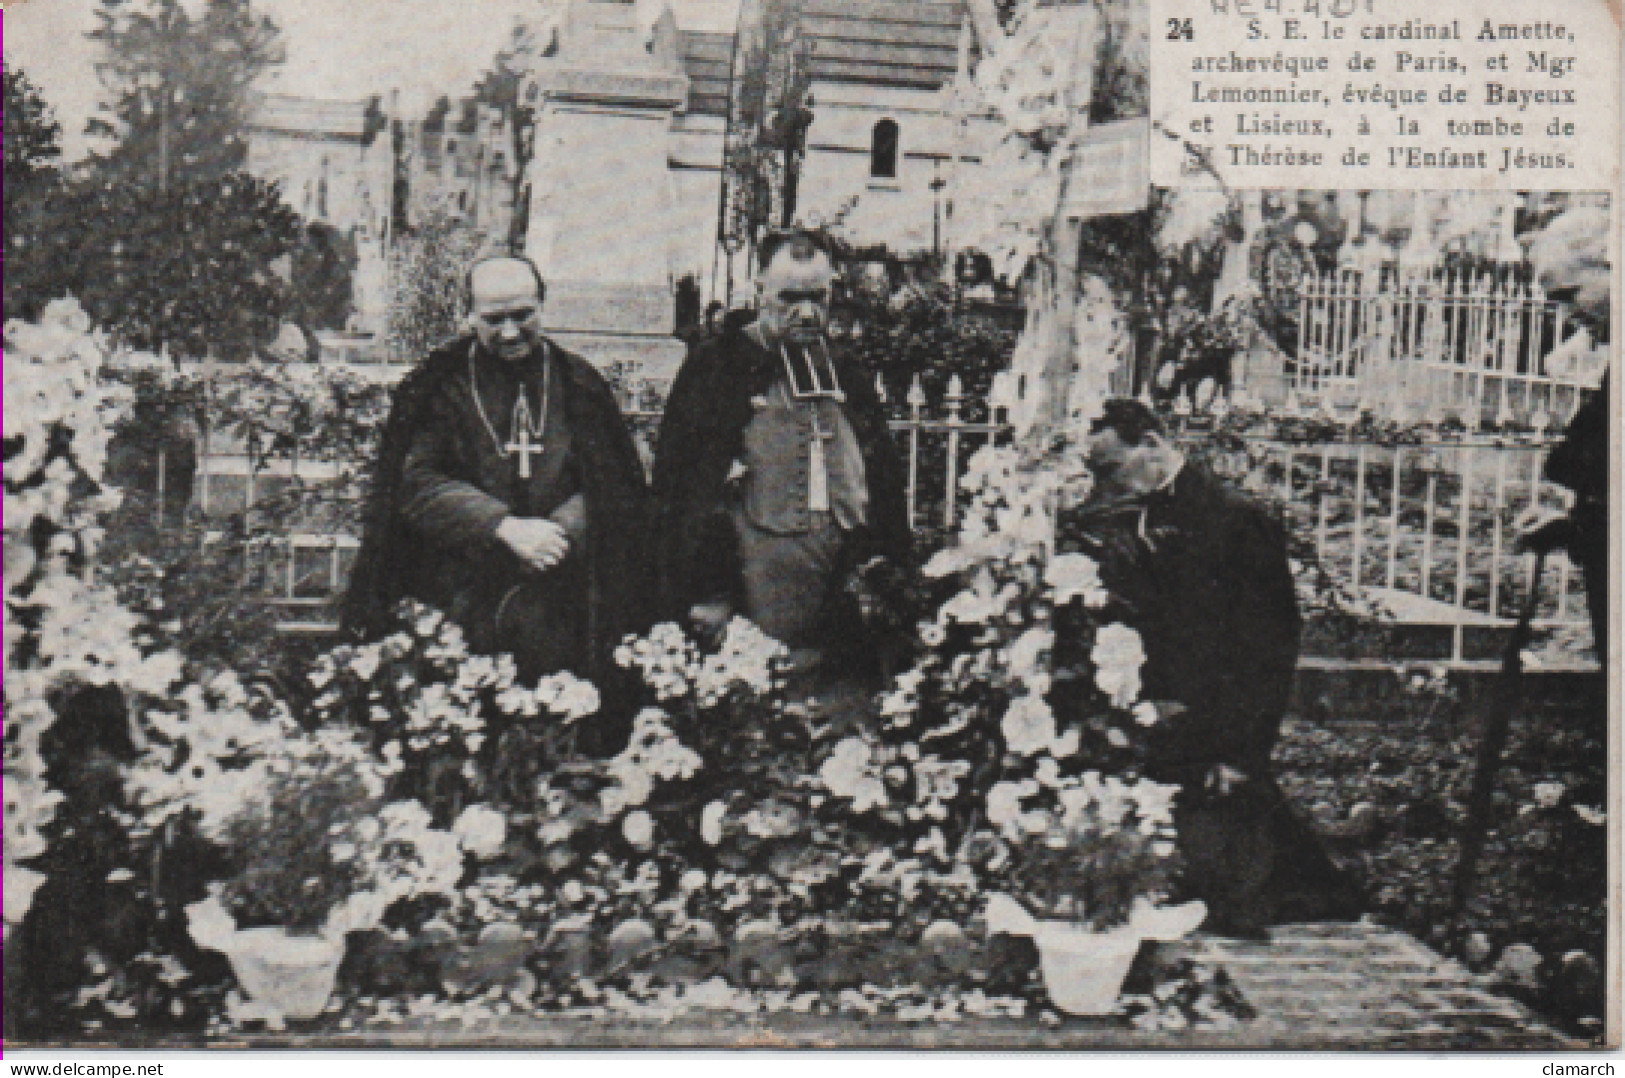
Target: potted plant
317,853
1093,856
1009,756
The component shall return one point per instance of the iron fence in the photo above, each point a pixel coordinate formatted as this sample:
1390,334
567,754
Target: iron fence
1424,531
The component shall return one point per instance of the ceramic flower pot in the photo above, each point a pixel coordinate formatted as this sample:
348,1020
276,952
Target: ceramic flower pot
285,974
292,975
1083,969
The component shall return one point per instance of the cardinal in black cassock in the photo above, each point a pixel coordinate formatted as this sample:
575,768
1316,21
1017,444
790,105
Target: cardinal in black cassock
509,495
1205,575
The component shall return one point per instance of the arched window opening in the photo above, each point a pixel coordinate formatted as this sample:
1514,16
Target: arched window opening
883,151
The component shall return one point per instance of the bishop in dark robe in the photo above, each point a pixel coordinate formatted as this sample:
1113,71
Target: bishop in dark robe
509,495
776,474
1205,574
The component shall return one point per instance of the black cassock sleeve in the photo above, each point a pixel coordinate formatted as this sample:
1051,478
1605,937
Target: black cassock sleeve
696,549
449,512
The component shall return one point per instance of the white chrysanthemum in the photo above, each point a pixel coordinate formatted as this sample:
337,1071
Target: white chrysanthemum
1028,725
1025,658
970,607
1118,655
1004,801
1075,576
945,562
1154,804
850,771
481,830
711,822
639,829
567,696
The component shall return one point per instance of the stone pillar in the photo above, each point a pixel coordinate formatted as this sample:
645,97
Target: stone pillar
602,211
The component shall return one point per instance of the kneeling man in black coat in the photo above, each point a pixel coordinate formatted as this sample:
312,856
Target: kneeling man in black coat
1205,574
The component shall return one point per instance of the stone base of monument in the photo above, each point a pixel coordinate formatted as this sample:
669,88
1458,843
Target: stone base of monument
624,327
644,357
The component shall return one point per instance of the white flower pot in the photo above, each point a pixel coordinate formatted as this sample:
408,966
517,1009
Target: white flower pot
285,974
1083,969
289,974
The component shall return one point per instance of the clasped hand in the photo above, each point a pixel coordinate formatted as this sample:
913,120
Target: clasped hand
541,544
1541,531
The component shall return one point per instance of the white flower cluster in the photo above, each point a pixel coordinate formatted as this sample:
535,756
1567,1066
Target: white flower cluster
748,659
213,757
447,708
1029,728
854,770
401,855
666,658
61,629
652,753
440,713
673,667
563,695
1084,803
481,830
1075,576
53,391
496,898
936,783
899,705
1118,654
568,696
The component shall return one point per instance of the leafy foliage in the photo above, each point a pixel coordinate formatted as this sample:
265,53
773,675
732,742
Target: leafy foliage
34,251
324,265
177,87
189,268
426,299
928,330
33,136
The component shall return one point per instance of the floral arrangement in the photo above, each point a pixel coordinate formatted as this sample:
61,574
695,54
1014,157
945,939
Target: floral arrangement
460,726
307,836
318,849
64,630
1011,749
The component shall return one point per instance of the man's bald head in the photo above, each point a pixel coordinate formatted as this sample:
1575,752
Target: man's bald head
505,304
497,270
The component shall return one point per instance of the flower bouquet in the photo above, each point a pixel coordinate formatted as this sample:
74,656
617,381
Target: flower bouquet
311,848
1009,756
461,726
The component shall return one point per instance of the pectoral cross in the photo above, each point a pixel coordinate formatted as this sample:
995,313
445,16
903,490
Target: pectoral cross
524,447
526,436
